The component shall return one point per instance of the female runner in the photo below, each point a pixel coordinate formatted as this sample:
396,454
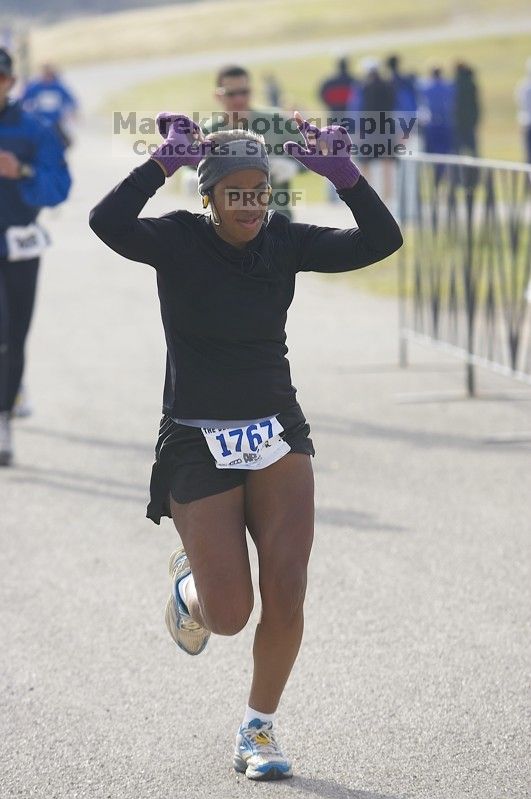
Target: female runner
233,450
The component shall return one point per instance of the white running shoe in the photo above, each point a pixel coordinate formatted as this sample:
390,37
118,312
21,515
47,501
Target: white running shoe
258,755
6,447
187,633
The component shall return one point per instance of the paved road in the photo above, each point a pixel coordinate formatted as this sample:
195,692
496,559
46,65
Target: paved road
412,677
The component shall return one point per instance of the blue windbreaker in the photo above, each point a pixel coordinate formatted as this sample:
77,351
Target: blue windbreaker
36,144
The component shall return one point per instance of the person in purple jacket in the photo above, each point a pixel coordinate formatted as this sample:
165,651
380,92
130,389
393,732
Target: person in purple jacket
234,450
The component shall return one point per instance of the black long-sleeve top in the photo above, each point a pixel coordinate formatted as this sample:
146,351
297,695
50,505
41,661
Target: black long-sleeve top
224,309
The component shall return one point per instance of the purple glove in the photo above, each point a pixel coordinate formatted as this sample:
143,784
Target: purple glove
327,153
183,142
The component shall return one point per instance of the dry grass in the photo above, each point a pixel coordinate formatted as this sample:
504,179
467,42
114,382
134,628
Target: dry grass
234,24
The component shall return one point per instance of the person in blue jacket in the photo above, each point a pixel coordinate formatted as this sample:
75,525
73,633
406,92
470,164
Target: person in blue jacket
33,174
438,100
404,85
49,99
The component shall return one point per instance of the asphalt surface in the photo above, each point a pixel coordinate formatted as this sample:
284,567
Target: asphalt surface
412,679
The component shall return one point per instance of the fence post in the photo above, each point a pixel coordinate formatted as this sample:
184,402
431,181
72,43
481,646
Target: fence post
401,273
470,282
470,379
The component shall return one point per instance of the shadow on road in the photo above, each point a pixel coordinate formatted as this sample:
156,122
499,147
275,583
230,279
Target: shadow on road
424,439
427,397
91,441
71,481
347,517
395,368
332,790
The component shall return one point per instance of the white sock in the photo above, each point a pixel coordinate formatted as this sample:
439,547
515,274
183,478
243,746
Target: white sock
251,714
181,587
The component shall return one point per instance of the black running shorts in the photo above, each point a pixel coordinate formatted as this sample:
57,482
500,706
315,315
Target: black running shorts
185,467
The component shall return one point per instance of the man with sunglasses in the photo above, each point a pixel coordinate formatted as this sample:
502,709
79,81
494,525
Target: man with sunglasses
233,92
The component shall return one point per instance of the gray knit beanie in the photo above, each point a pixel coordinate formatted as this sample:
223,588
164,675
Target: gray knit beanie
231,156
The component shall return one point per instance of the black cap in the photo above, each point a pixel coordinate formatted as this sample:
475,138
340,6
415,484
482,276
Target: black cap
6,62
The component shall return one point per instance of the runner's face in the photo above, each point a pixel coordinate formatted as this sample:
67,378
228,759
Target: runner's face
6,84
241,202
234,94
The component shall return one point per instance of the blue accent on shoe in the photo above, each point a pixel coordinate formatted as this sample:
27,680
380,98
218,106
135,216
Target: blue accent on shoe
272,767
176,595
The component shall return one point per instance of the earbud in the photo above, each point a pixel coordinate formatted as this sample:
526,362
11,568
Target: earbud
214,216
205,200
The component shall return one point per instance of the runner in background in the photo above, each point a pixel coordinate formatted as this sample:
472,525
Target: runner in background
52,102
33,174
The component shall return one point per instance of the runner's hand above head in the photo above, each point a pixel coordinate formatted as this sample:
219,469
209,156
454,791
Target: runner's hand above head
327,152
183,145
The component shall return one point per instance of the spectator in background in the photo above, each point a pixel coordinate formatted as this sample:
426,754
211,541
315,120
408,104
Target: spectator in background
233,91
374,94
467,111
33,174
404,87
523,102
49,99
272,91
438,103
337,92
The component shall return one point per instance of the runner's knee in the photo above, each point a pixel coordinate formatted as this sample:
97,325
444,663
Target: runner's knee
226,612
283,592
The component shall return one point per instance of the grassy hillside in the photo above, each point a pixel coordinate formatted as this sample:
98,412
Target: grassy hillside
231,24
59,9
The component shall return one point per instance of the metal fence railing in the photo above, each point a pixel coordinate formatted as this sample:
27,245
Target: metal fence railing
465,267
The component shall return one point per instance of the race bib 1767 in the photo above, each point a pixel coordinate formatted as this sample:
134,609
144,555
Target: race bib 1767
253,446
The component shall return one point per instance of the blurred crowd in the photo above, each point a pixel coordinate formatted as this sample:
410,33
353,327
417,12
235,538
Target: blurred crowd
447,102
448,108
